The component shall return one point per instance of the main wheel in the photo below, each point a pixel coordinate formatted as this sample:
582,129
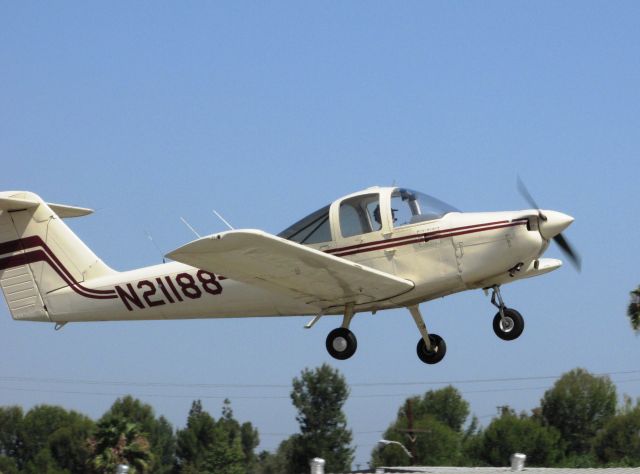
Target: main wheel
341,343
437,352
510,327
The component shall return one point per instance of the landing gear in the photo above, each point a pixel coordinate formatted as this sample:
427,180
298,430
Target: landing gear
341,342
437,352
508,324
431,347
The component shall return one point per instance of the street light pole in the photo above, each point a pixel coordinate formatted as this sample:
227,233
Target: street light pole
386,442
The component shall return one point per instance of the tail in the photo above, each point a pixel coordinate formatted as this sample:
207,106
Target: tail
39,254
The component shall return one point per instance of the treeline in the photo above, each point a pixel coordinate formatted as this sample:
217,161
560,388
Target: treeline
51,440
578,424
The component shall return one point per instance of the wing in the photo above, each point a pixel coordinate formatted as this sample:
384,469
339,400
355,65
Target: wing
311,276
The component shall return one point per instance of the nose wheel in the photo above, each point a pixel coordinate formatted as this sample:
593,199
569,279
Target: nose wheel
508,323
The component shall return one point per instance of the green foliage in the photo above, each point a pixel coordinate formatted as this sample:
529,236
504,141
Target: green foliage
157,431
619,441
119,441
46,439
511,434
438,418
278,462
225,446
578,405
8,465
436,444
10,421
319,395
445,405
633,310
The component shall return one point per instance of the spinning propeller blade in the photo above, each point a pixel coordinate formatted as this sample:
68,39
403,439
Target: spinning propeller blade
559,239
529,198
569,251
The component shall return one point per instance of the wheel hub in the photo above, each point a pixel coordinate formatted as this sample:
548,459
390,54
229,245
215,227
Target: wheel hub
506,324
340,344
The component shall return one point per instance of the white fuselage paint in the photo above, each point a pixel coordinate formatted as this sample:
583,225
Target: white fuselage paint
457,252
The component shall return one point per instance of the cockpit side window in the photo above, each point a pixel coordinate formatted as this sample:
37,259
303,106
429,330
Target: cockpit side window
410,207
313,229
360,215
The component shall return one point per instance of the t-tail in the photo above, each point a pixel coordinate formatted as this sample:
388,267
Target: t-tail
39,255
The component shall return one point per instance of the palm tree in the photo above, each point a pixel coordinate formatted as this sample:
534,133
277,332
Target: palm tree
633,311
119,441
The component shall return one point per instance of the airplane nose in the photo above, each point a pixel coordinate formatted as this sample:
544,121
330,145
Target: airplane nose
555,223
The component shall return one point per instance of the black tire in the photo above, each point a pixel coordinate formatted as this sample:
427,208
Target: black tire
437,352
514,324
341,343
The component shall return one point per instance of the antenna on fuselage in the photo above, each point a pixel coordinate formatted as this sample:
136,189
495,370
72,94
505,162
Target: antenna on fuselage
223,220
155,244
189,226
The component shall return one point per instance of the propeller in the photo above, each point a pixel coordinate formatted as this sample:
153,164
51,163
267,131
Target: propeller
559,239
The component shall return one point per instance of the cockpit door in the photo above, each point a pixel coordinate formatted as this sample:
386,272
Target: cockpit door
359,230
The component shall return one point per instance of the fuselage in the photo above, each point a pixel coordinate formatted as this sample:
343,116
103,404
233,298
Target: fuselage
456,252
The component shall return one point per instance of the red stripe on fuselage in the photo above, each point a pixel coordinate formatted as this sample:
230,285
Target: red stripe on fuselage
420,238
49,257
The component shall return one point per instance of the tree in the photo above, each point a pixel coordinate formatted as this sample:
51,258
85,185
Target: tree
436,444
633,310
319,395
157,431
445,405
10,422
195,438
578,405
510,434
207,446
246,434
437,418
52,438
278,462
8,465
119,441
619,440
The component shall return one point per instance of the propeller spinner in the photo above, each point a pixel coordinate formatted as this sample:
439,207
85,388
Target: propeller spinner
551,224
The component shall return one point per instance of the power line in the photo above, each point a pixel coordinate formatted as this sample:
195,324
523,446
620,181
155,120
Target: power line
8,378
258,397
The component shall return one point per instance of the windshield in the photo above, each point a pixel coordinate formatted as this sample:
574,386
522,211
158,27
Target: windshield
313,229
409,207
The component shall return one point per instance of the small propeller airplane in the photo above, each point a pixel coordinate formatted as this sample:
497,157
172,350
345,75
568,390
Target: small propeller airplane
380,248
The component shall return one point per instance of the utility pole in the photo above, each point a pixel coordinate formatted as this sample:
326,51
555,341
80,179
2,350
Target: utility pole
410,432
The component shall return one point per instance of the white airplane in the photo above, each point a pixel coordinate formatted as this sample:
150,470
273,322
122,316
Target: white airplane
381,248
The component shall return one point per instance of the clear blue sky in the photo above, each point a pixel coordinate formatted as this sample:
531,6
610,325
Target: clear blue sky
147,111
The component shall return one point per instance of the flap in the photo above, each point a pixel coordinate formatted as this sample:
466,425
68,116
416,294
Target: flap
314,277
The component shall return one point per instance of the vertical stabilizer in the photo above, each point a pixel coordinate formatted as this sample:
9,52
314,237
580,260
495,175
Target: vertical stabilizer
39,254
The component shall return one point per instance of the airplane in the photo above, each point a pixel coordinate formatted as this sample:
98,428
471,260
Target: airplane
375,249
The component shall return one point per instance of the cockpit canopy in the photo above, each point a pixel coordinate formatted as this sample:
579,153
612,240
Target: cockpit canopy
373,210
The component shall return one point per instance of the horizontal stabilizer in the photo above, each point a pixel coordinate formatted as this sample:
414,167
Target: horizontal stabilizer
11,203
273,263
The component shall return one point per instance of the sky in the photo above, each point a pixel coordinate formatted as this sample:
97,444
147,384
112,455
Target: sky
266,111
